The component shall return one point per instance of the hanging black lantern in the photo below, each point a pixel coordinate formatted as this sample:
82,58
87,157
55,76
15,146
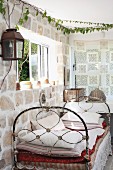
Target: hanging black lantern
12,44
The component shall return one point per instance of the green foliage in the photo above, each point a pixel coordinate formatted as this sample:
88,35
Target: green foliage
49,19
34,48
37,13
83,30
57,22
2,8
44,14
24,76
17,27
24,18
23,65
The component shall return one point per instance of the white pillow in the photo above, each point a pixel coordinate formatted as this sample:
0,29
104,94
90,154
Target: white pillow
51,138
71,117
43,114
88,117
50,122
73,106
91,117
27,125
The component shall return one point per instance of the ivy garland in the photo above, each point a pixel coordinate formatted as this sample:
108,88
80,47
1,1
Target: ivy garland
83,30
58,23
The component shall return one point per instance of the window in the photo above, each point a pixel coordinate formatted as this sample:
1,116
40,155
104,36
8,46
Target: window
40,58
38,62
34,65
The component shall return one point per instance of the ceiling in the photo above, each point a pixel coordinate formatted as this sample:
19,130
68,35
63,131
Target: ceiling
98,11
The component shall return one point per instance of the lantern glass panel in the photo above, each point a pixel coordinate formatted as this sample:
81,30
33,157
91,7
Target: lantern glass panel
19,49
8,49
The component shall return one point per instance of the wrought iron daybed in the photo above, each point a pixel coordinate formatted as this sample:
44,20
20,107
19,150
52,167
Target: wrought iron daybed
52,148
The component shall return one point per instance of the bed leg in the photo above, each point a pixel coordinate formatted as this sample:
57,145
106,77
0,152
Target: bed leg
110,154
14,168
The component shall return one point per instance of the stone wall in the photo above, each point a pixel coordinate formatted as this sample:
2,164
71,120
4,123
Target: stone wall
11,101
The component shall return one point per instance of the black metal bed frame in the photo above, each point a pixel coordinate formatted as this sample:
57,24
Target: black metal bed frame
59,112
52,108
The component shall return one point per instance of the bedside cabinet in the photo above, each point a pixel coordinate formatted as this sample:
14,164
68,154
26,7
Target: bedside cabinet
74,93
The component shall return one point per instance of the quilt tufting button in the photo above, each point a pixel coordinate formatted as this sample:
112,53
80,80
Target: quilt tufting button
59,137
48,130
37,137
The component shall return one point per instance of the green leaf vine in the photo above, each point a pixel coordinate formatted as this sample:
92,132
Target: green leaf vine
24,17
66,30
5,6
58,23
2,8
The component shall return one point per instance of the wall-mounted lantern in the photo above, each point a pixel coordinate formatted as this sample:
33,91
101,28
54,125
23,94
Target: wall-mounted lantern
12,44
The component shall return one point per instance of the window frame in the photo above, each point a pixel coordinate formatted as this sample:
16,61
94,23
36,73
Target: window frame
52,46
39,64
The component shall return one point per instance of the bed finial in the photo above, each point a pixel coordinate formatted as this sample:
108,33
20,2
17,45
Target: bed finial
42,98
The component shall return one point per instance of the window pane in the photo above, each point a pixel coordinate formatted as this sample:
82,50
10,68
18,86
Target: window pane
34,48
34,73
8,48
19,47
44,62
34,67
23,64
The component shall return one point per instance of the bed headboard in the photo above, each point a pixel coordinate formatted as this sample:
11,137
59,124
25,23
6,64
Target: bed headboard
90,106
52,109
